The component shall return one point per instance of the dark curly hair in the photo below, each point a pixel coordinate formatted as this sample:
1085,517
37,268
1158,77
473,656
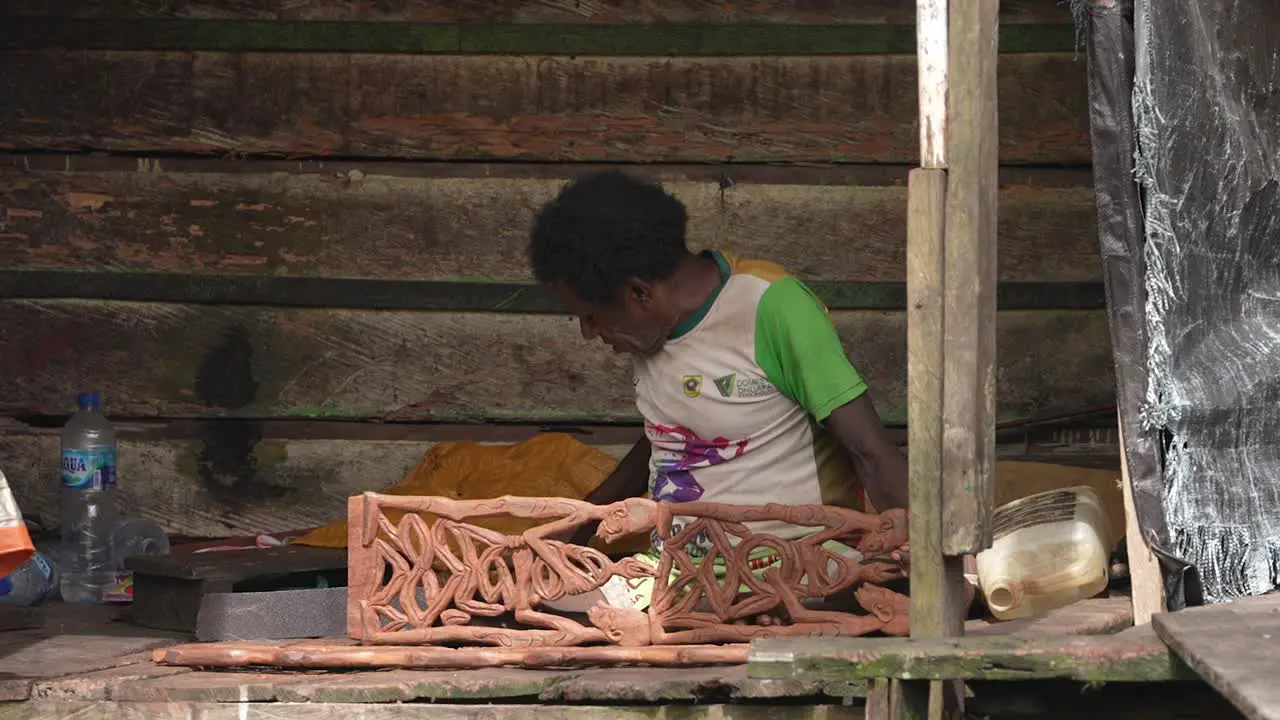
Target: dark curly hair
605,228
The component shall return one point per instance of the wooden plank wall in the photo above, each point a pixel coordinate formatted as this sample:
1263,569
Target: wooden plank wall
239,219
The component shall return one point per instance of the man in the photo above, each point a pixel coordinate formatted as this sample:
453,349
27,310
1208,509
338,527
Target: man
746,392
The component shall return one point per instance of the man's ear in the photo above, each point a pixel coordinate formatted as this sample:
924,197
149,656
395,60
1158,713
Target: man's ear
641,291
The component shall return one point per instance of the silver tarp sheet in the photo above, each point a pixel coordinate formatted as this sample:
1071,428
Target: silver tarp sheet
1206,113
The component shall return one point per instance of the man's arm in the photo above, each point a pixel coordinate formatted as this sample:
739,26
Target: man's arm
629,479
882,467
799,350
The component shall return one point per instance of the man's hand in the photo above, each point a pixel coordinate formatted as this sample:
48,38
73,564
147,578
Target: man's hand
580,535
629,479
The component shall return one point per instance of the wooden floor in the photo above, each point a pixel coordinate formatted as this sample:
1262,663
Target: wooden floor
86,663
1235,647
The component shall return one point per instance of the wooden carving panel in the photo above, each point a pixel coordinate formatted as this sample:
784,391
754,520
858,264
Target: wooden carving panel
449,582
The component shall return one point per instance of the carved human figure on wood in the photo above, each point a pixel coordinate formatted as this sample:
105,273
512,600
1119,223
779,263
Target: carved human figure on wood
488,574
758,583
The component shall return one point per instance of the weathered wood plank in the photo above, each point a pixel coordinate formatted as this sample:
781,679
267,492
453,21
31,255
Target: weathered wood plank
937,582
1095,616
379,226
450,295
205,480
969,282
527,11
247,480
721,173
937,609
71,640
820,109
254,362
1146,579
636,685
97,684
214,487
164,710
700,40
1098,658
1233,646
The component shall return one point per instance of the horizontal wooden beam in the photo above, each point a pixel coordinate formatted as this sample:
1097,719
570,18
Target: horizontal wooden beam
451,296
845,108
157,359
1070,435
609,12
526,39
230,477
262,218
55,706
1129,657
728,174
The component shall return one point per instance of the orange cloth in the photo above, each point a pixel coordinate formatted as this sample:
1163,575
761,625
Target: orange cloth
15,541
547,465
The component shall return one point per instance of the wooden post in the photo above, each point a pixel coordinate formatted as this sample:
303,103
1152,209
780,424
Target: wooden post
937,582
1146,583
931,81
362,566
968,405
951,292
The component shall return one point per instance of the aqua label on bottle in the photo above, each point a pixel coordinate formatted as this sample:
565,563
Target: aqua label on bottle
89,469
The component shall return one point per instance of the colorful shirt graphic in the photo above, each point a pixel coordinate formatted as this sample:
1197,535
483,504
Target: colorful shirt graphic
734,401
678,453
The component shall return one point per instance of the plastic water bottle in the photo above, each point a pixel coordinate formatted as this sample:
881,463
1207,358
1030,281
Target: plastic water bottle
137,536
88,502
33,581
132,536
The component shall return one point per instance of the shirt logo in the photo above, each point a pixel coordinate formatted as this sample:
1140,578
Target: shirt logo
726,383
692,385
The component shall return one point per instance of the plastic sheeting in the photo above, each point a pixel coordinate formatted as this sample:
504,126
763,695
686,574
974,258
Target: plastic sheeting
1206,106
1110,55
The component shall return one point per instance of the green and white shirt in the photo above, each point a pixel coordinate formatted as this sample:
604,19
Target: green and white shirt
733,401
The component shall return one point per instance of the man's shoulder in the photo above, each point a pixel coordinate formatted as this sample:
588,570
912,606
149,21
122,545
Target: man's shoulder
766,270
777,290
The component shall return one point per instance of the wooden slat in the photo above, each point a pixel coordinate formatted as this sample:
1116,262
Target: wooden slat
72,639
163,708
246,480
1145,576
969,283
526,11
723,173
361,225
937,581
261,487
497,686
701,40
210,486
450,295
167,360
1100,658
1234,647
819,109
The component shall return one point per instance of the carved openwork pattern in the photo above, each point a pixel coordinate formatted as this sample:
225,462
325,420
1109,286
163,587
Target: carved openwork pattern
453,582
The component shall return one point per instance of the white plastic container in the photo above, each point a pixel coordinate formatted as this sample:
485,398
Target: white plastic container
1050,550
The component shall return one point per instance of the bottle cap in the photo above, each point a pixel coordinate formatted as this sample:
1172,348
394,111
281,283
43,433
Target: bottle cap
89,400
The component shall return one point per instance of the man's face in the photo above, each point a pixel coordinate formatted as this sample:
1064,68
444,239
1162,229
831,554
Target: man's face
633,323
